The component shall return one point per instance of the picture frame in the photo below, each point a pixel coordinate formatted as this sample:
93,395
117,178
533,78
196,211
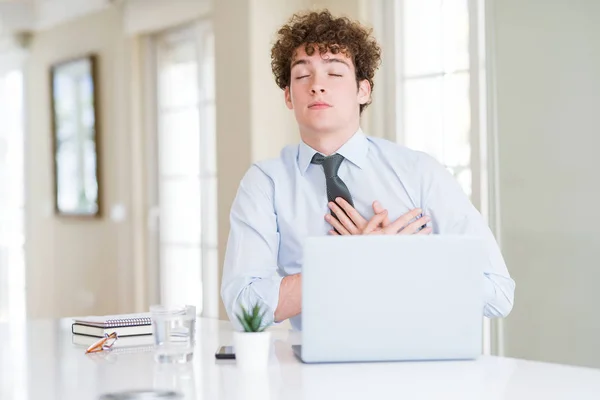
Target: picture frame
76,137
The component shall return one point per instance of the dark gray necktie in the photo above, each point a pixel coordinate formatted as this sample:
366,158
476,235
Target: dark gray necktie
335,186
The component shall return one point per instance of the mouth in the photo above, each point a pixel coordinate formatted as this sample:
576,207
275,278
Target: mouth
318,105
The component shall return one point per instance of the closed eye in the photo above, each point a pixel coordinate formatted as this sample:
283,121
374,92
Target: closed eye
303,76
338,75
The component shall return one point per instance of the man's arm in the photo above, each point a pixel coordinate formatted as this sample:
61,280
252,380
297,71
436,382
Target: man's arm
453,213
290,298
250,267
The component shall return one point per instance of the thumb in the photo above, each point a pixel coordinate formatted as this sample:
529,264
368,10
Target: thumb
377,208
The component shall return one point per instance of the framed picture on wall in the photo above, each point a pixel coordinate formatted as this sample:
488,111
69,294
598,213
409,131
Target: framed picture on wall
75,133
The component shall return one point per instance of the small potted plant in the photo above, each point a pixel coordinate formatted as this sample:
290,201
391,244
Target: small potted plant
252,345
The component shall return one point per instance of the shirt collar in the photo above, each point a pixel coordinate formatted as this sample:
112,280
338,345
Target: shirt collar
354,150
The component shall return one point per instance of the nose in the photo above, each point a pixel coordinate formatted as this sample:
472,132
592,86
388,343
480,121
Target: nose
317,87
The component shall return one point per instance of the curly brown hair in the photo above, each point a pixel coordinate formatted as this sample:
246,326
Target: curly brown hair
327,33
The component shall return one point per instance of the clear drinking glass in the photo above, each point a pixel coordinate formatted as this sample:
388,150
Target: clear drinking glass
174,330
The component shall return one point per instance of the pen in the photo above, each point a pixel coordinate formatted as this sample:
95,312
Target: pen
100,344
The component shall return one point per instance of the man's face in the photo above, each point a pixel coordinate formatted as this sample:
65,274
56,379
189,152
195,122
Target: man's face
323,92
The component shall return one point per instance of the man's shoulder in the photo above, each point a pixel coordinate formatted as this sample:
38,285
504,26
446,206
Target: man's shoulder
402,156
275,165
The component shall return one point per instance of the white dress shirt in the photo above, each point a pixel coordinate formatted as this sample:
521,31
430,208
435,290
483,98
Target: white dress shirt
282,201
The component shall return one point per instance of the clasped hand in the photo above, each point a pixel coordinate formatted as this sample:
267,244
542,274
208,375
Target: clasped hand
352,223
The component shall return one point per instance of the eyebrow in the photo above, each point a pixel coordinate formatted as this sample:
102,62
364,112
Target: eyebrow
304,61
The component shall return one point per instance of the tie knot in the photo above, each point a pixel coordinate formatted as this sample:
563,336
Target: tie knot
331,164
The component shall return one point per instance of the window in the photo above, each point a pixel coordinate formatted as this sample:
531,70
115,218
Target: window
432,88
12,189
186,170
434,82
12,232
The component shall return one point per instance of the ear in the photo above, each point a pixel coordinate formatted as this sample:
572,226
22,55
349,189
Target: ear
364,91
288,98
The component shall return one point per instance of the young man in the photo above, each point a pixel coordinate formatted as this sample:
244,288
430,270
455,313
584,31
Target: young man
325,66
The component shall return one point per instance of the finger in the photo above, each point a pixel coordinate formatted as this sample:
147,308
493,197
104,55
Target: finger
377,208
402,221
358,220
347,222
337,225
375,222
333,233
425,231
414,227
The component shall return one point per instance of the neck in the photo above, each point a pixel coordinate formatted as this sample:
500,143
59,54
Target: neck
327,143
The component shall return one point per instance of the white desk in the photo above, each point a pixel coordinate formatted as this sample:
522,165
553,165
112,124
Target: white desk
43,363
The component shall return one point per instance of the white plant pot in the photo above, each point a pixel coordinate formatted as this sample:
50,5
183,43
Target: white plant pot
252,349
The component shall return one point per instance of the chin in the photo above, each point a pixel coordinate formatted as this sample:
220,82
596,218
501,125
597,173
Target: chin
321,127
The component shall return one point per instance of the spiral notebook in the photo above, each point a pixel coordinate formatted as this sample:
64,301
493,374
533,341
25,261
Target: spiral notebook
124,325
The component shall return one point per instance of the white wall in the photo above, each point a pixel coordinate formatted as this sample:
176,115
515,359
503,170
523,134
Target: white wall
77,266
548,92
273,125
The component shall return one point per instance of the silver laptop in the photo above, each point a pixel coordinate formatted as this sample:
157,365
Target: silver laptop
392,298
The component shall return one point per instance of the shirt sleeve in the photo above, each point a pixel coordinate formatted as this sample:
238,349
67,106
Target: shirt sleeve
250,268
452,212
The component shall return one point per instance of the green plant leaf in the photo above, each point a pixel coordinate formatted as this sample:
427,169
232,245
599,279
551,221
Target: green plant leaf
244,323
255,323
253,320
264,326
255,311
245,313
